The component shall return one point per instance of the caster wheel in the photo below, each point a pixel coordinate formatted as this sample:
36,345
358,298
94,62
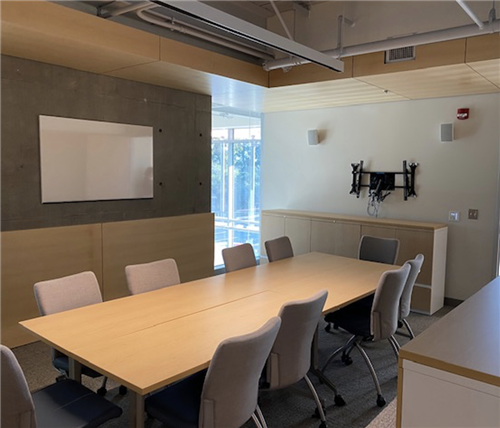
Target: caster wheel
347,360
60,378
122,390
322,425
380,401
328,328
101,392
339,401
316,413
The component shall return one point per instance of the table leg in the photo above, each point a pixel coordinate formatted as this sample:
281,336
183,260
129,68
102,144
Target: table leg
136,409
75,370
339,401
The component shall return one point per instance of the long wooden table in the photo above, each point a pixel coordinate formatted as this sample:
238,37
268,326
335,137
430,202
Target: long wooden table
150,340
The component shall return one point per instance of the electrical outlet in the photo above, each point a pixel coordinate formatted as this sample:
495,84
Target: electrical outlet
454,216
473,214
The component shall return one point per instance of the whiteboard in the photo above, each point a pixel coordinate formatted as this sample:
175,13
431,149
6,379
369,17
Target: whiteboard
86,160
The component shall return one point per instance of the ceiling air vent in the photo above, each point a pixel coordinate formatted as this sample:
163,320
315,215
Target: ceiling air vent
400,54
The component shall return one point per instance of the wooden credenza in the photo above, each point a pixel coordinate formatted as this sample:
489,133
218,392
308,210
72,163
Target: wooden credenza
340,234
449,375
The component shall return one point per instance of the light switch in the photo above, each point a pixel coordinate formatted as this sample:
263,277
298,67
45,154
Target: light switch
454,216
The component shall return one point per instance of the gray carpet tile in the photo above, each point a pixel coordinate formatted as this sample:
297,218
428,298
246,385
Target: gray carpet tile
289,408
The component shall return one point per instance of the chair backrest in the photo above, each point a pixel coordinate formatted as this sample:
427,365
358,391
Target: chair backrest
239,257
385,308
152,276
231,387
404,303
290,357
381,250
18,409
69,292
279,248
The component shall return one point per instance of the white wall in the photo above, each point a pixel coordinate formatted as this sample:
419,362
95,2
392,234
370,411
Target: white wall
451,176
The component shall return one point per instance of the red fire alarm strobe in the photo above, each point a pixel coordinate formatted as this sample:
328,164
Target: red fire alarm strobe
462,113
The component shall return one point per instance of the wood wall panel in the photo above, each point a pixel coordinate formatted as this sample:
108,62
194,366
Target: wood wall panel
432,55
29,256
47,32
187,239
482,48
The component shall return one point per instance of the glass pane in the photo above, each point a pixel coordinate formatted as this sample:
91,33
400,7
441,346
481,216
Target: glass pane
236,182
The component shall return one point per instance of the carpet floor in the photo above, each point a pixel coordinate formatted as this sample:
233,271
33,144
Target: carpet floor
292,407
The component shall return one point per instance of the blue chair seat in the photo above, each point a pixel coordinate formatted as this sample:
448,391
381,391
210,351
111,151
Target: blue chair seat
178,406
70,404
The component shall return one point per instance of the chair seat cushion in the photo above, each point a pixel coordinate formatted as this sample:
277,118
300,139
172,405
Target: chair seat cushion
178,406
68,404
353,318
62,363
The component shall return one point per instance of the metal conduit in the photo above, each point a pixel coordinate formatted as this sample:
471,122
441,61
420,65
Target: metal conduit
400,42
182,27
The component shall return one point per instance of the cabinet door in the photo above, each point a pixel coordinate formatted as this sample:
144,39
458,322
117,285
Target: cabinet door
271,227
378,231
347,236
323,236
413,242
299,232
341,239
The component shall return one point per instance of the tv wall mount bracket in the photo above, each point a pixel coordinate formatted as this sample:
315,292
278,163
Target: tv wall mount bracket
384,181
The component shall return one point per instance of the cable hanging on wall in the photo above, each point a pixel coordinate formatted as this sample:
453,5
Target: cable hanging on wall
382,184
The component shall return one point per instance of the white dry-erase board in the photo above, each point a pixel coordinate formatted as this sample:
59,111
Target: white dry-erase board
86,160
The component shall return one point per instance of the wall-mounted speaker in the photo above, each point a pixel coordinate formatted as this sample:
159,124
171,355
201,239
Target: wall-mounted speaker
312,137
446,132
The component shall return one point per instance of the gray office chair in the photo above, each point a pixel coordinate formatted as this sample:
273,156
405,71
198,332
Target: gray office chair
404,304
372,249
63,294
239,257
279,249
152,276
65,404
375,324
290,357
225,395
380,250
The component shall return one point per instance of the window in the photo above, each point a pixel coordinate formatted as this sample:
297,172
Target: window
236,143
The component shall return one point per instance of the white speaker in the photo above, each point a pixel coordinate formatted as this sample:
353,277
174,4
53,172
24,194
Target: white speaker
312,137
446,132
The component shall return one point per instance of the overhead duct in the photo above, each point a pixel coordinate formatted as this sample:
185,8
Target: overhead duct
218,19
399,42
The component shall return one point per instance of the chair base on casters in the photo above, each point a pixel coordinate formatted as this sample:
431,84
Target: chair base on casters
355,342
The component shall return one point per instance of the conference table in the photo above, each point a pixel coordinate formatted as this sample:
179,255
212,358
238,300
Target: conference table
150,340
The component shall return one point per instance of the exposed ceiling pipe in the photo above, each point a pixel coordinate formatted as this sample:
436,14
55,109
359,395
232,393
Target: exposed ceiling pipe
125,9
399,42
471,14
340,30
278,14
182,27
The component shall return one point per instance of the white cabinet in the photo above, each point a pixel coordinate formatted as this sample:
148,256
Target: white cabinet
436,398
449,375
